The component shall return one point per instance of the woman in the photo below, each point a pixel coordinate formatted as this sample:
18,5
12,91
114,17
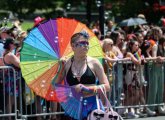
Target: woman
118,68
110,57
82,71
10,59
117,39
156,81
161,52
134,90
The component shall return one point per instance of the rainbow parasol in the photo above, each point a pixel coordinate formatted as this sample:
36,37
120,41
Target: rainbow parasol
43,48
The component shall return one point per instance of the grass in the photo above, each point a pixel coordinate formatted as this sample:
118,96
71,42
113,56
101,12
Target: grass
27,25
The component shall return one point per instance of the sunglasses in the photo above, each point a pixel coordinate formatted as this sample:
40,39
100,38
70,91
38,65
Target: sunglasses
82,44
110,44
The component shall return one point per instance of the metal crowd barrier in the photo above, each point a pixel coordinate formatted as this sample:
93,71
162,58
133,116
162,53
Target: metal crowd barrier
120,92
22,104
28,106
8,104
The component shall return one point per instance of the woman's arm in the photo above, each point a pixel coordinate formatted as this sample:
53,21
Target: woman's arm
154,50
134,60
14,60
100,74
148,52
60,73
109,59
1,62
64,65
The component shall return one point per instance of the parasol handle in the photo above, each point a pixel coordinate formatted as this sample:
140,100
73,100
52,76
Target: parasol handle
86,89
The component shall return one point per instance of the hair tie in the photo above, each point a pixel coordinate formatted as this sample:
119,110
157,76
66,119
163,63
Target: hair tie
84,34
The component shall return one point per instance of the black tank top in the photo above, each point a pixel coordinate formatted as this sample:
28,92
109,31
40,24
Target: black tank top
87,78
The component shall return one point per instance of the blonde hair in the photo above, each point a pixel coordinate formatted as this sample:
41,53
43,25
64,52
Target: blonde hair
105,42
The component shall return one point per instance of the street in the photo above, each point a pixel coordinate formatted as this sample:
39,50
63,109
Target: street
151,118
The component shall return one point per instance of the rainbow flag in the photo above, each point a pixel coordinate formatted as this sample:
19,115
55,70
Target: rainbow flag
137,55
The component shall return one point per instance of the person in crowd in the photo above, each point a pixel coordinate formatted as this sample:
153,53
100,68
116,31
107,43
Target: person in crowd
1,52
109,62
1,75
143,47
161,46
140,38
162,20
95,25
1,49
123,39
110,27
134,87
141,16
131,77
163,30
17,24
21,35
38,20
118,68
156,81
161,53
97,33
12,60
110,57
117,39
83,71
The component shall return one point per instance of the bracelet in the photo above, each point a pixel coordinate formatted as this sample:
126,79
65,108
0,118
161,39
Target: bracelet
95,89
102,86
81,88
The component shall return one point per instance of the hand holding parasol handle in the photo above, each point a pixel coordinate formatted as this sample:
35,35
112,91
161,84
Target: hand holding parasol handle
85,89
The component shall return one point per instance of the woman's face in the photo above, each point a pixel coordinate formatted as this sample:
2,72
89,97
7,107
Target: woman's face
135,46
140,38
109,46
119,39
12,46
81,46
157,34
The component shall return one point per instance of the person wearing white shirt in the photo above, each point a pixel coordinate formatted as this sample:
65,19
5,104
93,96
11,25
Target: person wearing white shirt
1,53
1,49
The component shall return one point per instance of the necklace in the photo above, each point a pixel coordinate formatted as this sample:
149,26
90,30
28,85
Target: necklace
77,71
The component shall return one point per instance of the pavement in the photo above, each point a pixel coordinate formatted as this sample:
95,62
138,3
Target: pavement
149,118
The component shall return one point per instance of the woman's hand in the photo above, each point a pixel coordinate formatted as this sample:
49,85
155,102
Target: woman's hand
106,57
84,89
78,87
159,59
63,60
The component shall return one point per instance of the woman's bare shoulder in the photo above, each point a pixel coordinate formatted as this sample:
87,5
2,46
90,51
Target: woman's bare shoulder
12,56
9,56
92,60
67,64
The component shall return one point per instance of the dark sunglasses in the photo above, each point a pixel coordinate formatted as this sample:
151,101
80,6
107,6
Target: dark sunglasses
82,44
110,44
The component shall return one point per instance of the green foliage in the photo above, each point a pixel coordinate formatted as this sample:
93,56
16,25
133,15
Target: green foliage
26,7
131,8
27,25
48,8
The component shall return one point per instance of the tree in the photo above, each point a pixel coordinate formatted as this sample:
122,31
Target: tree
24,8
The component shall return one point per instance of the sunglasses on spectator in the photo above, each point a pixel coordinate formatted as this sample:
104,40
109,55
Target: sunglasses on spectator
82,44
110,44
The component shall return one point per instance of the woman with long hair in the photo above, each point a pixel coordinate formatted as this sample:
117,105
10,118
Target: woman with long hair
10,59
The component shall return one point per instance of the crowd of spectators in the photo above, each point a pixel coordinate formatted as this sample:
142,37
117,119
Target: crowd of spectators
139,44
